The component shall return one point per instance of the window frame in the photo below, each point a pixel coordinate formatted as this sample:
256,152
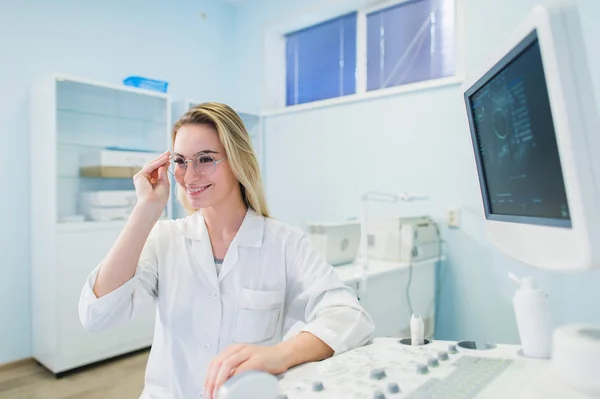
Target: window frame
274,93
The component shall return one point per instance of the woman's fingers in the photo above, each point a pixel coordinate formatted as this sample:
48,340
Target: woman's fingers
151,166
215,367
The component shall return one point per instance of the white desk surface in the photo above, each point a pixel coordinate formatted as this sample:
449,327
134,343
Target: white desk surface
352,272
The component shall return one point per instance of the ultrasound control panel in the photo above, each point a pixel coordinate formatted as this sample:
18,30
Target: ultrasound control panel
387,368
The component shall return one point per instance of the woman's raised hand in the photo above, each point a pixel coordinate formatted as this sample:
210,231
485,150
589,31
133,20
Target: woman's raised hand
152,184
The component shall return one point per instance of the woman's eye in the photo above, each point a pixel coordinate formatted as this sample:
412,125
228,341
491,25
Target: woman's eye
205,159
179,162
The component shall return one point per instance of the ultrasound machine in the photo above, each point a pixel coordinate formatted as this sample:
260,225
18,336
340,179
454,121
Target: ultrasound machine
535,133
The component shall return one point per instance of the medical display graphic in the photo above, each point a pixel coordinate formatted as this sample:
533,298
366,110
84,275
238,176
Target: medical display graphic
517,143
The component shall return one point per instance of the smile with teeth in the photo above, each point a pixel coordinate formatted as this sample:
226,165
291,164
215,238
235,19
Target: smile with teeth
198,189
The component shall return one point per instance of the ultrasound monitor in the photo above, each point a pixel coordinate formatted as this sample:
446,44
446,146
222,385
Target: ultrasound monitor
534,129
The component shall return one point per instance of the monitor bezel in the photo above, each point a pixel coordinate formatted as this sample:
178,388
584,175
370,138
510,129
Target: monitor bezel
530,39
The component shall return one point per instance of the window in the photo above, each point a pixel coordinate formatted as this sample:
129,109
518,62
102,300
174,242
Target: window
389,45
321,61
410,42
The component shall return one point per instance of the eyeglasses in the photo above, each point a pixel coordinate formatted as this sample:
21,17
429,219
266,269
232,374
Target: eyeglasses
203,164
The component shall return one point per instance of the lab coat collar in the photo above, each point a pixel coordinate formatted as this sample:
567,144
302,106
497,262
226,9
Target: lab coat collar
250,233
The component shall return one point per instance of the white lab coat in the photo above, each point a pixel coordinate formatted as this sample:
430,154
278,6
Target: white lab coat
272,285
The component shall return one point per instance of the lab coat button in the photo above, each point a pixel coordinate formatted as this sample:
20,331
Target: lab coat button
206,346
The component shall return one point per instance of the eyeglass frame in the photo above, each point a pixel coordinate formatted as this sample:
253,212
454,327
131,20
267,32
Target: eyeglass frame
186,161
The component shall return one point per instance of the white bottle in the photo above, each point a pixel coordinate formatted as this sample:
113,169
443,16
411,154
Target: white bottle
532,312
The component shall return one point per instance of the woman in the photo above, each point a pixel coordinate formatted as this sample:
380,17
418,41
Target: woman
234,289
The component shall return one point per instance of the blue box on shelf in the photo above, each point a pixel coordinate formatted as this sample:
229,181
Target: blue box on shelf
145,83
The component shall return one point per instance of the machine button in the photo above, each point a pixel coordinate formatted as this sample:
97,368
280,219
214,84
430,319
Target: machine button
317,386
393,387
378,374
422,369
433,362
452,348
443,355
378,395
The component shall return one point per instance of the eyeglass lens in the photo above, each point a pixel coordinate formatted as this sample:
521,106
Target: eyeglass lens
204,164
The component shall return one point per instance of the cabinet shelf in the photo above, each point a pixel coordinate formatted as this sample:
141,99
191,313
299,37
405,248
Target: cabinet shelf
68,176
81,113
94,146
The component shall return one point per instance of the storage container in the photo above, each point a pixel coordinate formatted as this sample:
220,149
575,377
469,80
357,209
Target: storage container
108,198
145,83
114,163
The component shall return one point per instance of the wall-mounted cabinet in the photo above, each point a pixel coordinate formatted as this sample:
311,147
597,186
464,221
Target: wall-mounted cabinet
87,140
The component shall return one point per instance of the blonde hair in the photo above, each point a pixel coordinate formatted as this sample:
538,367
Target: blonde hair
238,148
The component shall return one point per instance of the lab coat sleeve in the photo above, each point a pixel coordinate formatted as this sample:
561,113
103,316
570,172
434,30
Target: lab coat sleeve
317,301
124,303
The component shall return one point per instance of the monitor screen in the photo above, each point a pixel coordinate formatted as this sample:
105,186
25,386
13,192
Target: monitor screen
515,142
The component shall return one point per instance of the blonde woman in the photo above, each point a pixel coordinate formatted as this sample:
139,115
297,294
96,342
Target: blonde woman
234,289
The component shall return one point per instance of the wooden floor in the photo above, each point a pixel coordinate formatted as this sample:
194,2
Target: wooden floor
122,378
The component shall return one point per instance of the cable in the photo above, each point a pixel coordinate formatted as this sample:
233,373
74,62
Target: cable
440,280
408,301
438,286
410,272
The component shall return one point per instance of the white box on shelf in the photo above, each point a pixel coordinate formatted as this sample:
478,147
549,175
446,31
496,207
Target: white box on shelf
117,158
106,214
114,163
108,198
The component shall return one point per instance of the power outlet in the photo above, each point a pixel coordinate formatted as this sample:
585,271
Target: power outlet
454,218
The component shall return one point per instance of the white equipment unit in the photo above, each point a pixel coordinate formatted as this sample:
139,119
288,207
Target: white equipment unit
389,368
534,128
338,242
71,117
408,239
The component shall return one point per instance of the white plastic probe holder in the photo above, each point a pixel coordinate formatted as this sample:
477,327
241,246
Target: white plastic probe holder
417,330
251,384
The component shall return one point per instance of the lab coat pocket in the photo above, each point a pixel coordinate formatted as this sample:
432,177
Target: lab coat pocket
258,315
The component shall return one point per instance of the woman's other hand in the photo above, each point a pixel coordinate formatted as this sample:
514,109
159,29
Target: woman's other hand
239,358
152,184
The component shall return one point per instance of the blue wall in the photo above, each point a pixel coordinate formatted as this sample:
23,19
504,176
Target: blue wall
98,40
416,142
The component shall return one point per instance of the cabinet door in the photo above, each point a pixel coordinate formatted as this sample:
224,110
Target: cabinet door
78,253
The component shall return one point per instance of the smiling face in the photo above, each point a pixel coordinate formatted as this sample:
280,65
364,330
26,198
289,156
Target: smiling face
210,184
